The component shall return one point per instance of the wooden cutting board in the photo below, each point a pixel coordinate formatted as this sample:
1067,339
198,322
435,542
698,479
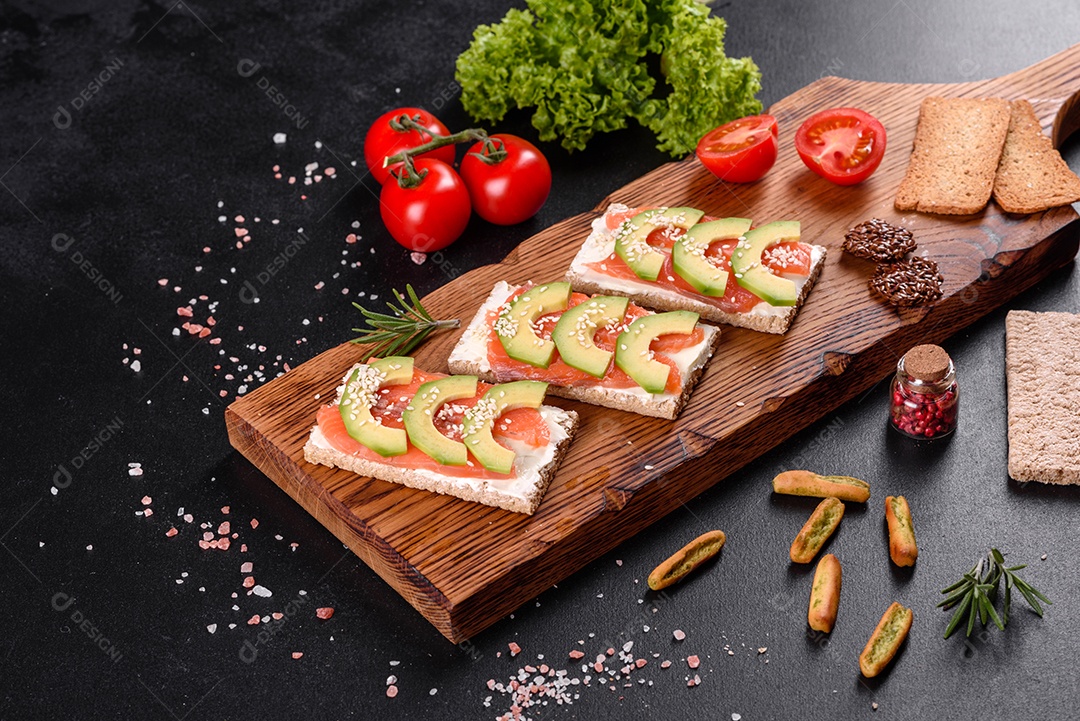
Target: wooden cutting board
464,565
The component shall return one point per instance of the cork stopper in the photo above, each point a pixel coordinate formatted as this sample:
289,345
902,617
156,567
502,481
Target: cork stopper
928,363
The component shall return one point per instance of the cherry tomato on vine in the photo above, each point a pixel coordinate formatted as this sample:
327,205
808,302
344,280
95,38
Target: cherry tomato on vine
383,140
509,190
844,145
741,151
432,214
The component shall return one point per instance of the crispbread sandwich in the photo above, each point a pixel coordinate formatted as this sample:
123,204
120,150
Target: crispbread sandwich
497,445
603,350
724,269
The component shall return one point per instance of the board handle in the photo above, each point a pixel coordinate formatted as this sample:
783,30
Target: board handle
1053,88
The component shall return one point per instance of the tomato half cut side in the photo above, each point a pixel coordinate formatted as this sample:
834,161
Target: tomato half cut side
741,151
843,145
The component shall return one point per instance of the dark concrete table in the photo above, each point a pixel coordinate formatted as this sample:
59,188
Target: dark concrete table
130,127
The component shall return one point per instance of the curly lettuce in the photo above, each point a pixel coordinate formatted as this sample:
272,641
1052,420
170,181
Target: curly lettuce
585,69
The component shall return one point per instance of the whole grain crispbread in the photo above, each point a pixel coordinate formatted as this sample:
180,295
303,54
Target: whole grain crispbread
957,147
1031,175
1042,365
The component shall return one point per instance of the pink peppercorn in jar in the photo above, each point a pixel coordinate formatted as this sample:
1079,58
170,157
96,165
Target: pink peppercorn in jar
925,396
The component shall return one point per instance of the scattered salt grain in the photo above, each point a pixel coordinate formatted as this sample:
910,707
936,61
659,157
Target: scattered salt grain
297,654
391,691
679,634
280,138
212,628
324,613
135,471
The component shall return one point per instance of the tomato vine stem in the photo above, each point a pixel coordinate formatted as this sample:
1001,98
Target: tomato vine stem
494,151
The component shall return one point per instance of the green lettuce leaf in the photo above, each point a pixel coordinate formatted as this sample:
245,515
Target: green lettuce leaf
584,68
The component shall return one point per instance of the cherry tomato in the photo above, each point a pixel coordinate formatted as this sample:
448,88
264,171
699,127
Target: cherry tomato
431,215
510,190
741,151
383,141
844,145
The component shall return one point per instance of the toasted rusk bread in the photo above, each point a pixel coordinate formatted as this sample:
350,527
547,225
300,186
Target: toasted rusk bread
957,147
1031,175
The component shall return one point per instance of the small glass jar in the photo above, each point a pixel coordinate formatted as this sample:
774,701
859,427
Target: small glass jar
925,396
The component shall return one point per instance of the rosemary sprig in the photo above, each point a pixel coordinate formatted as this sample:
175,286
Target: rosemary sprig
402,332
974,594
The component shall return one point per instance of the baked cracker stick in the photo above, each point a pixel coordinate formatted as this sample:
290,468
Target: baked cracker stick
902,548
817,529
808,483
686,559
891,631
824,594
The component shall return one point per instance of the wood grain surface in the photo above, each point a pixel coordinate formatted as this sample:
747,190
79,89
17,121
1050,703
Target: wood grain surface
464,565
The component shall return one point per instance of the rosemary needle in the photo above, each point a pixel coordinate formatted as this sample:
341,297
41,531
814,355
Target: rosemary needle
403,330
973,595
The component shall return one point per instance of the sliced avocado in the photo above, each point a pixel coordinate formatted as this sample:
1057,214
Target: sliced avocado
419,418
688,254
632,352
756,278
359,397
480,421
573,334
632,238
514,325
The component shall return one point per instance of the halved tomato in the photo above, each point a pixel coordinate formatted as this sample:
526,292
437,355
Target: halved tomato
741,151
844,145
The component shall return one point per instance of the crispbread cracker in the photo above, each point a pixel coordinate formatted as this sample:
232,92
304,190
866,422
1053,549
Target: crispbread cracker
957,147
1042,364
1031,175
